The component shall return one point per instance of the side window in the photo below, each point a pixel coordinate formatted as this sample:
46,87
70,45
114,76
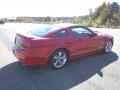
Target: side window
63,33
80,32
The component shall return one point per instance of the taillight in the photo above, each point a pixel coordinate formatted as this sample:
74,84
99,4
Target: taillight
22,42
17,40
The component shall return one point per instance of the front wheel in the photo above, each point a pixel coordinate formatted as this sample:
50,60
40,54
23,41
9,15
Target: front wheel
59,59
108,46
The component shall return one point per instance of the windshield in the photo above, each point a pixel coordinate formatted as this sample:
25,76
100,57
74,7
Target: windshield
43,30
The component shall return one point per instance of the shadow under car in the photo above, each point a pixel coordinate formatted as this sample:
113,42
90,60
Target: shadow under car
15,77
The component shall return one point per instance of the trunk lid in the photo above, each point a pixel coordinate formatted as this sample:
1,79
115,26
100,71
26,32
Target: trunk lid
27,40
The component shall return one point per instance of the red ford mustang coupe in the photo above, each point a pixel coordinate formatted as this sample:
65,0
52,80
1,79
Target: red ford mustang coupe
59,43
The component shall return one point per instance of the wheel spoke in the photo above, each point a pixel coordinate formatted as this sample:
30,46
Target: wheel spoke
60,54
55,57
56,62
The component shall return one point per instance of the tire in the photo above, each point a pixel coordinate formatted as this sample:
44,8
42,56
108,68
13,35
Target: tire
108,46
58,59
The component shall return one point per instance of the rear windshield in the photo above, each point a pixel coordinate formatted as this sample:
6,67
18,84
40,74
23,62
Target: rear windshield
44,30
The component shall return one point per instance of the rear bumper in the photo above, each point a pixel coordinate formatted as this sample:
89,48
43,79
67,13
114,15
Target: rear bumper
28,58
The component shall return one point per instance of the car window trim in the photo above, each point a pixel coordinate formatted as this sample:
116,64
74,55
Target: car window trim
83,28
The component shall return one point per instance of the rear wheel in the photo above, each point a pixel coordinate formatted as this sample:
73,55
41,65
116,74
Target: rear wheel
59,59
108,46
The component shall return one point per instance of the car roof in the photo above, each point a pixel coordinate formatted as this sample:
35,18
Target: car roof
65,25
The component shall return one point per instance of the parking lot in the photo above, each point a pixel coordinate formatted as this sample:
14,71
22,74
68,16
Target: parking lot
96,72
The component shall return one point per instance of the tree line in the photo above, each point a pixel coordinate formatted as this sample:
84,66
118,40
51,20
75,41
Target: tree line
105,15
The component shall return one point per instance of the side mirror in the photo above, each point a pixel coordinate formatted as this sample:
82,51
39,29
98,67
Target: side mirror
93,35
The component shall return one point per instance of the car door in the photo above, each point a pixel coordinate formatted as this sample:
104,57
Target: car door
84,40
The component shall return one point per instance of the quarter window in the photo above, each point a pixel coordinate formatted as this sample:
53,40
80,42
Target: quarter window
62,33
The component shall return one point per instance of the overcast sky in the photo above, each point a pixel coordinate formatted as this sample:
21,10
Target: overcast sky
13,8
